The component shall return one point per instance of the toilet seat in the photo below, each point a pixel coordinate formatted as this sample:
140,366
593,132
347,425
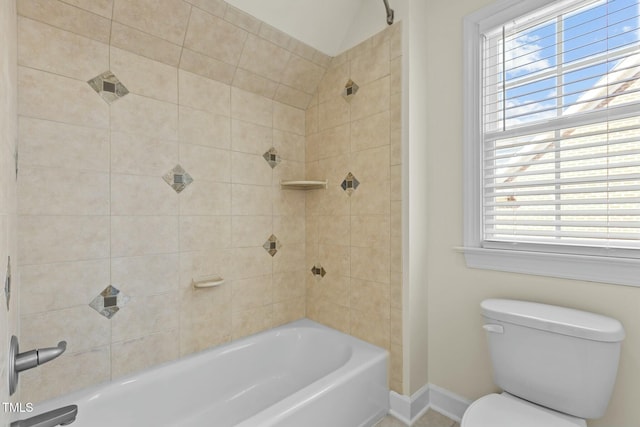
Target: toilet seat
505,410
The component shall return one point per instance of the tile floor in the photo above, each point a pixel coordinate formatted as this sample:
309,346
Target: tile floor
430,419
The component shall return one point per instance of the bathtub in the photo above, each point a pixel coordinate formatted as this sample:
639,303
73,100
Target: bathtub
301,374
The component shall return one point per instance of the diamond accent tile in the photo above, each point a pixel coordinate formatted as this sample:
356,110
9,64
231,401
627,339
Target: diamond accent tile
178,178
109,301
272,245
108,87
350,184
318,271
350,89
272,157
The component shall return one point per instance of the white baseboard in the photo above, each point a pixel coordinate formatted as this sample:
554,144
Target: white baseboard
409,409
400,407
447,403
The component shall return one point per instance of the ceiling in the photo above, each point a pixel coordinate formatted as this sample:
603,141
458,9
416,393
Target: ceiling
322,24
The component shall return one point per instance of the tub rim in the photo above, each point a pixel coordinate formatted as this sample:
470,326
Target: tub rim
363,355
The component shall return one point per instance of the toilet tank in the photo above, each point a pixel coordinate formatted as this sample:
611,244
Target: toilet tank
557,357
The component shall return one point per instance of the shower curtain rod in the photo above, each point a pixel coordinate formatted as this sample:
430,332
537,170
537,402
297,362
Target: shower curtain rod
389,12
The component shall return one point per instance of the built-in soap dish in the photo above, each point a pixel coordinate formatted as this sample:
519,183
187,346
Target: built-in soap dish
206,282
304,184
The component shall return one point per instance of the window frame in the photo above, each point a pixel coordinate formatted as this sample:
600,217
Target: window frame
518,259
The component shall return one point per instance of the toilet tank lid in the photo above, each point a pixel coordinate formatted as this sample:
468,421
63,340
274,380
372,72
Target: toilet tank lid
561,320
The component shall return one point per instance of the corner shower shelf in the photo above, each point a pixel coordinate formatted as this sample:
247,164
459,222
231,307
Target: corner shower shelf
304,185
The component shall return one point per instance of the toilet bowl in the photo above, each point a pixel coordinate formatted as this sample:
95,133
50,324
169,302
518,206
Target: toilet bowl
505,410
557,366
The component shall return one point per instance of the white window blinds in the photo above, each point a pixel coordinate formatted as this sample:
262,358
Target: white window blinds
561,129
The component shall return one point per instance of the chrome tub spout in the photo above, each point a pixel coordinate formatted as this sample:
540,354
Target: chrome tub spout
58,417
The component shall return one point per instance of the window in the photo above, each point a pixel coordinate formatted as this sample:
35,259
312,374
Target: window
552,138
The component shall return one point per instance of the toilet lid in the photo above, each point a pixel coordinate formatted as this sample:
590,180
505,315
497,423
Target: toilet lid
504,410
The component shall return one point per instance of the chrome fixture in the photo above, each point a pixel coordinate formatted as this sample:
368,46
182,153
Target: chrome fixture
7,282
389,12
19,362
58,417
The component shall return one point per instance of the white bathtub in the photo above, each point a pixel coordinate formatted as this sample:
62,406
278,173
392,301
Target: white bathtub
301,374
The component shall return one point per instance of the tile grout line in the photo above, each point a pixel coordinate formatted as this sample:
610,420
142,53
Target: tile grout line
110,205
180,201
184,37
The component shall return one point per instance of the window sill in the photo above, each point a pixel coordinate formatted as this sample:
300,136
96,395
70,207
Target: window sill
619,271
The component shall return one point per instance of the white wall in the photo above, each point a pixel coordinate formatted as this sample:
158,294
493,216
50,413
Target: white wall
415,203
331,26
370,19
321,24
457,351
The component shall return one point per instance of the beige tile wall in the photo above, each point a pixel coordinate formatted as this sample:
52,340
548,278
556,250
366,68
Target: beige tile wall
94,210
8,245
357,239
212,89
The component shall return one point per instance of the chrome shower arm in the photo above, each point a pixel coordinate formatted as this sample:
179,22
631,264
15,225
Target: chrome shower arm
389,12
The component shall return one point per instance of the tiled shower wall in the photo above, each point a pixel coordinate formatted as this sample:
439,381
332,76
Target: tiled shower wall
8,243
356,236
211,89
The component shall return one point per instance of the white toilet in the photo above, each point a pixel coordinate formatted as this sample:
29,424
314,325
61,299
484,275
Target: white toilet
557,366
